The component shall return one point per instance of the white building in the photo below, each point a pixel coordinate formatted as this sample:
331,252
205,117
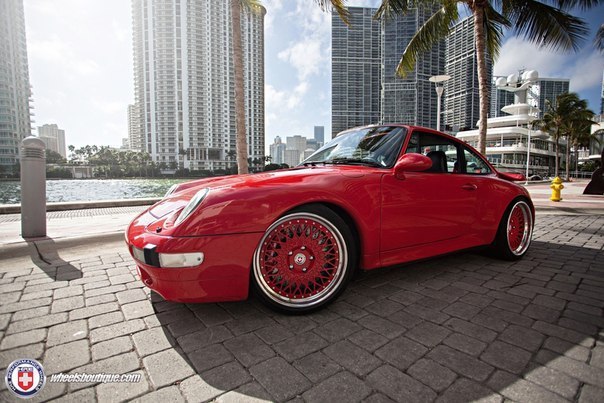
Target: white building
54,138
277,151
15,92
184,83
292,157
135,140
511,138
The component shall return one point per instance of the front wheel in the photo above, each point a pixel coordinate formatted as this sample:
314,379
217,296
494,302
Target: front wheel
515,231
304,260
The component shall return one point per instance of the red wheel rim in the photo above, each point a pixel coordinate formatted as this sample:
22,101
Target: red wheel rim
300,259
519,228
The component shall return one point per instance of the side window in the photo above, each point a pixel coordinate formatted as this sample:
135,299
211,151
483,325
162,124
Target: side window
474,164
442,151
413,146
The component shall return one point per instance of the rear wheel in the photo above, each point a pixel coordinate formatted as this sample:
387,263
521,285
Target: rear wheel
515,231
304,260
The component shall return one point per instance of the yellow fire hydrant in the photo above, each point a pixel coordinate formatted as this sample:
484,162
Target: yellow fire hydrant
557,187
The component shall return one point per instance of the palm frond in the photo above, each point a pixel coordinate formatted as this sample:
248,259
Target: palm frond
599,39
544,25
338,6
437,27
494,22
581,4
389,8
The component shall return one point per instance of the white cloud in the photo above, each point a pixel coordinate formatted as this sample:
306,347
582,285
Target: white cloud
305,56
518,54
584,70
280,101
272,9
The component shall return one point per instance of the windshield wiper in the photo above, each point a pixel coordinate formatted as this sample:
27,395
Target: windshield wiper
355,161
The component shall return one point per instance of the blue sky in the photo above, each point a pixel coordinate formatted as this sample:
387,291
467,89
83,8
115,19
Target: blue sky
80,62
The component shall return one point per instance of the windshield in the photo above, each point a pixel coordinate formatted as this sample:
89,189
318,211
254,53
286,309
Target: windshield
375,146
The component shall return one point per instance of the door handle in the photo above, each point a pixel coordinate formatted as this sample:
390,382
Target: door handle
469,186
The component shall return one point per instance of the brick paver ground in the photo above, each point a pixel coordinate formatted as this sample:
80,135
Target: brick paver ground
459,328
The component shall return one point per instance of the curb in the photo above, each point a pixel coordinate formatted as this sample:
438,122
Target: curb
82,205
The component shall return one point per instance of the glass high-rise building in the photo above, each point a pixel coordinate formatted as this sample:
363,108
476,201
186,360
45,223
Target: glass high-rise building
412,99
15,90
462,95
319,135
356,64
184,82
365,88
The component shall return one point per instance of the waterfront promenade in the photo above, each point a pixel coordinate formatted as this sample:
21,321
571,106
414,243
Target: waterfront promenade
457,328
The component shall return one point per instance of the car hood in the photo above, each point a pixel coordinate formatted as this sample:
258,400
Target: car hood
280,178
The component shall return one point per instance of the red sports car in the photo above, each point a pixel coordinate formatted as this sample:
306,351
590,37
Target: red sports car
374,196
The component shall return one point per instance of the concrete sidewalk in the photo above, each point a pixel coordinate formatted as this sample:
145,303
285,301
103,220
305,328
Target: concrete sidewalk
457,328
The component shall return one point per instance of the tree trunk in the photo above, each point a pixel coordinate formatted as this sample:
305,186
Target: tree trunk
483,85
241,142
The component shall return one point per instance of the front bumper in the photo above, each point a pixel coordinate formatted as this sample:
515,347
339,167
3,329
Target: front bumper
223,275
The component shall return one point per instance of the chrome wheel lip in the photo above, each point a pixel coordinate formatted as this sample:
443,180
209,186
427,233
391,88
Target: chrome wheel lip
527,230
322,296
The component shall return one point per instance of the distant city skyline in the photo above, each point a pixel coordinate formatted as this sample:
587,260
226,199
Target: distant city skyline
15,119
81,68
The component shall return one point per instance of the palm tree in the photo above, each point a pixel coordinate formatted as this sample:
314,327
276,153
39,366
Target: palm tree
568,118
241,137
539,23
254,6
578,129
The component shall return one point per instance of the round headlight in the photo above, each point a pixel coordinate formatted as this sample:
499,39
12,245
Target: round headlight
192,205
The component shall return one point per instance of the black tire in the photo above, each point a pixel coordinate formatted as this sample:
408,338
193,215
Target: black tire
515,231
304,260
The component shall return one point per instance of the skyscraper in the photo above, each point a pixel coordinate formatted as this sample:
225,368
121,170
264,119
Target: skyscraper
356,64
412,99
319,135
365,88
277,151
462,96
184,84
54,138
15,92
135,140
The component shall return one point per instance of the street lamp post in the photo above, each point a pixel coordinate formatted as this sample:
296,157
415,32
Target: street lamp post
528,152
439,87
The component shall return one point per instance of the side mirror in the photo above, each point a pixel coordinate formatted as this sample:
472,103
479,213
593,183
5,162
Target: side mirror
411,162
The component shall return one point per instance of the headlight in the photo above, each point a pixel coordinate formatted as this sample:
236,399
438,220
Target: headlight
192,205
171,190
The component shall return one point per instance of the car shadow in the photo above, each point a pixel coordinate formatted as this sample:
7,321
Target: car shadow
461,327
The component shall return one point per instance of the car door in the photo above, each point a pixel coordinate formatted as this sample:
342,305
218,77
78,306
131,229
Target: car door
434,206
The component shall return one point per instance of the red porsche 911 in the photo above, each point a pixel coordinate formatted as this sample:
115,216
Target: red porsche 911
374,196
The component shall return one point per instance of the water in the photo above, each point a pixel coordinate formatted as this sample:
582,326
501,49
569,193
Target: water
91,189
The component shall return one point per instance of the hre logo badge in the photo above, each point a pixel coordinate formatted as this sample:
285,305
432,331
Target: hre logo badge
25,378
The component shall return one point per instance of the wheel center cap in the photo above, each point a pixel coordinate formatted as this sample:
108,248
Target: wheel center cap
300,259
